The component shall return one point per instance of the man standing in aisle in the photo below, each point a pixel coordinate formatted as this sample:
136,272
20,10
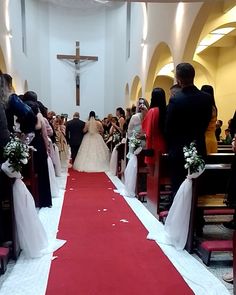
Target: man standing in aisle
74,134
188,115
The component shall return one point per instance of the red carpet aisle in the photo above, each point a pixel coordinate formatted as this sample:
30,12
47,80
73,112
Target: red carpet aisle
107,251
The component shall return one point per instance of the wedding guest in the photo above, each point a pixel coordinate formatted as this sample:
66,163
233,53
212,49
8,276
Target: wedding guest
210,138
74,134
174,89
228,138
4,138
40,156
4,134
61,141
135,124
232,126
231,193
114,134
154,124
183,124
120,113
219,124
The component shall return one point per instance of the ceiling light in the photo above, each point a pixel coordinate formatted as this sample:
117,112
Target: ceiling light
212,37
101,1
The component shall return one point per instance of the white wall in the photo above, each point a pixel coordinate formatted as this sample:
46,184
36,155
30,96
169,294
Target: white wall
67,26
52,30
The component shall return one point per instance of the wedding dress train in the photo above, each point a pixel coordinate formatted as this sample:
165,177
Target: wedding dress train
93,154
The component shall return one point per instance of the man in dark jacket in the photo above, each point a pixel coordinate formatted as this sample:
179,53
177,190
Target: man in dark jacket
188,115
74,134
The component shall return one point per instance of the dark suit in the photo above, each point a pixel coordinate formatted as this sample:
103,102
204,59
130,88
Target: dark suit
74,135
188,115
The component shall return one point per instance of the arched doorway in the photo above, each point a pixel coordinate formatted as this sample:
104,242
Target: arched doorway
26,87
2,62
164,82
211,49
159,73
127,100
136,90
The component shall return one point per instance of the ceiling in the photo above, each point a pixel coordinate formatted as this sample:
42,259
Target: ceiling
84,4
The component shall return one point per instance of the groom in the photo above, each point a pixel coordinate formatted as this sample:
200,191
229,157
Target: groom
74,134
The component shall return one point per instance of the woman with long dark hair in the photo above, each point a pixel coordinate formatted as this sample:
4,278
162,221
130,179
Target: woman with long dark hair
210,137
93,154
154,124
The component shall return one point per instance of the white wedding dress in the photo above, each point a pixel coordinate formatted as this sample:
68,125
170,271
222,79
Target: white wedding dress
93,154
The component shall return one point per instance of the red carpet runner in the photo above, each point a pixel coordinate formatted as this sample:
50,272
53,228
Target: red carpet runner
105,254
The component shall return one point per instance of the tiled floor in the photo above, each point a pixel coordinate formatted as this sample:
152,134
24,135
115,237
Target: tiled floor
220,263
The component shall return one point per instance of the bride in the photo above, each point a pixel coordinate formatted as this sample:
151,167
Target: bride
93,154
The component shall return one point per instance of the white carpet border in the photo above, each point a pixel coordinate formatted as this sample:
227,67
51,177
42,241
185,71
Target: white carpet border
30,276
199,279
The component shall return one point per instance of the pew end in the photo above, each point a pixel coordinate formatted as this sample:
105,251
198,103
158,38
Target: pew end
4,256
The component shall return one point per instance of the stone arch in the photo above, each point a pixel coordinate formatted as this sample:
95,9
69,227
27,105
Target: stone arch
202,75
164,82
161,57
127,99
215,65
26,87
136,90
3,67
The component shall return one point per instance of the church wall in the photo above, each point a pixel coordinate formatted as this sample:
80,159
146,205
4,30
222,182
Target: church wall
164,25
25,66
65,28
115,61
225,84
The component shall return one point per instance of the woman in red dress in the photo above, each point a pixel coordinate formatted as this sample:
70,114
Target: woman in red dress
153,125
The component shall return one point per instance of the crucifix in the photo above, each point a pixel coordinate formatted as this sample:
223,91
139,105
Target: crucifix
77,60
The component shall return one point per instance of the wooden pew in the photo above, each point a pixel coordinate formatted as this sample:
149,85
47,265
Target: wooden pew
208,193
224,148
120,158
220,158
158,184
234,260
9,233
213,158
142,172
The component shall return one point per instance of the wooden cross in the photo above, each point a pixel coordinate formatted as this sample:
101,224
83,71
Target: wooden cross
77,59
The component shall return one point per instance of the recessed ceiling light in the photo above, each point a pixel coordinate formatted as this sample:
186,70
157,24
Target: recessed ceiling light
101,1
212,37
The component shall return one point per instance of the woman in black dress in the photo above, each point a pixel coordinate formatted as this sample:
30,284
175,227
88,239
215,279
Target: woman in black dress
40,156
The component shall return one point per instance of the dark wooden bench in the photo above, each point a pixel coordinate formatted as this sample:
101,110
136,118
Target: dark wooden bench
208,193
142,171
207,247
4,255
120,158
234,260
8,234
224,148
213,158
220,158
158,184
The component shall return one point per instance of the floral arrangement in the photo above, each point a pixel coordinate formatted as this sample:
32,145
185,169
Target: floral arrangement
116,137
16,153
135,142
194,162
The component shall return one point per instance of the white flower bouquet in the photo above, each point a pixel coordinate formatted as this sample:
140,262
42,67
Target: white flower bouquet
194,162
135,142
16,153
116,137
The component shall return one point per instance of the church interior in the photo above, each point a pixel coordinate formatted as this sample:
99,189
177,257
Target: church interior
83,55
